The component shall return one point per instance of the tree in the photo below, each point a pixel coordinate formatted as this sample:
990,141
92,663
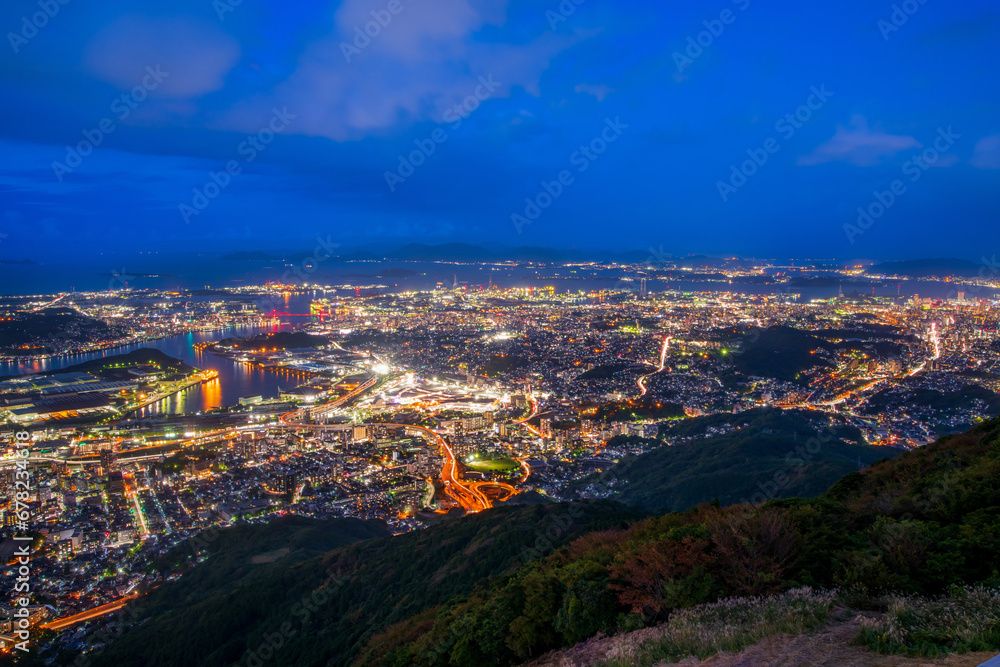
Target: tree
645,573
755,546
588,608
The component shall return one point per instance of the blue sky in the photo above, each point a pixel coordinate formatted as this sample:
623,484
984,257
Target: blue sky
643,123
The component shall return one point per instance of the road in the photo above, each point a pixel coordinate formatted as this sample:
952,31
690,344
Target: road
295,415
123,458
133,494
471,496
172,388
534,413
49,304
527,469
663,364
89,615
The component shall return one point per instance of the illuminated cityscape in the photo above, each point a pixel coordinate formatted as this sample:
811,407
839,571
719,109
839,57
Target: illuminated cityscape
522,333
408,406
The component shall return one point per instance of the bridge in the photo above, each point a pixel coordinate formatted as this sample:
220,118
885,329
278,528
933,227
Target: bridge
124,455
318,312
470,495
89,615
291,417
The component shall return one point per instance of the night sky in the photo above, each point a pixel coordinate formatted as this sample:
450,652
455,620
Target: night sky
621,122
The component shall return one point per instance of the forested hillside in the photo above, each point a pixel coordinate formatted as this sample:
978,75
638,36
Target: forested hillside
507,585
760,455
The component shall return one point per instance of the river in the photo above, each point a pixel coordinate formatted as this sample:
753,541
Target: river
235,379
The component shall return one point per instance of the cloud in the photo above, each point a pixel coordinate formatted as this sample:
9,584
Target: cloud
946,160
369,76
196,57
600,92
962,32
987,153
859,145
420,31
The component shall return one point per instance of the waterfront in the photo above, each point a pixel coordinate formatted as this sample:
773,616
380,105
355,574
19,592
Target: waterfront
347,278
235,379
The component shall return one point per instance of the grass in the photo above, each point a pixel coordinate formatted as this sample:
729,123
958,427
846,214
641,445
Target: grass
493,465
729,625
967,619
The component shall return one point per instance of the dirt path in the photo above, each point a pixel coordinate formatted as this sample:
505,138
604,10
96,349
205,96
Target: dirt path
831,646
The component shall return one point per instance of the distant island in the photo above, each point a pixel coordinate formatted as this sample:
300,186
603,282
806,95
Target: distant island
138,275
658,259
117,366
51,330
927,268
395,272
466,252
282,340
248,257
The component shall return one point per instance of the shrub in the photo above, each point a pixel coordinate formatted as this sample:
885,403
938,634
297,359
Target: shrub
727,625
966,619
756,545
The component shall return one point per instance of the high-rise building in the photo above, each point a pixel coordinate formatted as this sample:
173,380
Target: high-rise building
286,484
64,549
116,483
252,450
107,460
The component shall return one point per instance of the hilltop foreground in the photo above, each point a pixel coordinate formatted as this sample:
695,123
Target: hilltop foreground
829,646
507,586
